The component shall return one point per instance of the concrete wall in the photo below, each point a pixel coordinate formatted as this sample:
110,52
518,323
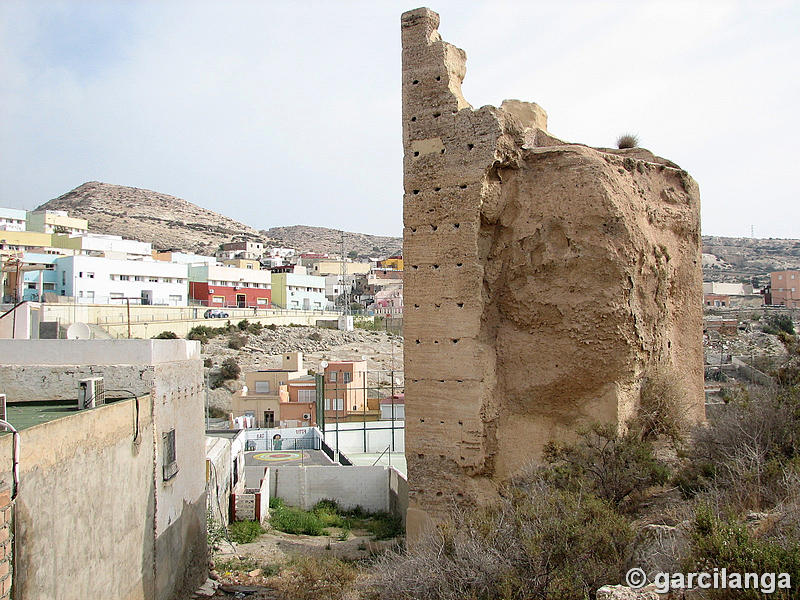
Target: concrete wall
86,505
147,321
6,563
303,487
218,482
91,490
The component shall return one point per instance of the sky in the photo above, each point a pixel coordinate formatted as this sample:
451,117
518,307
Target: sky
286,113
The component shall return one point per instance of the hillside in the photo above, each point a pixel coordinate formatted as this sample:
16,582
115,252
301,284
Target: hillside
734,259
147,216
322,239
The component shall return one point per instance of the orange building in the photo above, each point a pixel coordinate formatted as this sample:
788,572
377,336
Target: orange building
298,402
785,288
345,389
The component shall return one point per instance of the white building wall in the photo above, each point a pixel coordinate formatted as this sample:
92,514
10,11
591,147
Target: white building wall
305,292
12,219
98,280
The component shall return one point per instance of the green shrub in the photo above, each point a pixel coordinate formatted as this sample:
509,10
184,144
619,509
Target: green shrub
610,465
230,369
295,520
208,363
775,324
385,526
166,335
272,327
718,542
243,325
244,532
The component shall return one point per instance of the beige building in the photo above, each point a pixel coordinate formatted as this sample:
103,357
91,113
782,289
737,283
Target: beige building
264,390
241,263
329,266
56,221
345,389
111,500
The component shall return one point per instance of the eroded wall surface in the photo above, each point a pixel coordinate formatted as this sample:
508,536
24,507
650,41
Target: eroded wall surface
542,280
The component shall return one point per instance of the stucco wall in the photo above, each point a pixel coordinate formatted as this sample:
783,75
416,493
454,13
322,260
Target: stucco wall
84,514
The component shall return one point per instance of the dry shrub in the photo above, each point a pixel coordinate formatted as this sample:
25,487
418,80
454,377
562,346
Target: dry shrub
615,467
663,407
536,542
750,452
315,578
627,140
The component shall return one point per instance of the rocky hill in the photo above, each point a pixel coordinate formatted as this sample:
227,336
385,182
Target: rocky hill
322,239
163,220
736,259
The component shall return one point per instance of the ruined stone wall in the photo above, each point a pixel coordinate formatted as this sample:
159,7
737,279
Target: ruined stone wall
542,279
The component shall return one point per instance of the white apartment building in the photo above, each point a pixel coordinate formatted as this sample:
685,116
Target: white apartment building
109,246
12,219
98,280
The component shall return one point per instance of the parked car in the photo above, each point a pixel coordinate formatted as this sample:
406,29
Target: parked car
213,313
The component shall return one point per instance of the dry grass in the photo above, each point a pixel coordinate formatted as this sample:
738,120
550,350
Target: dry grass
627,140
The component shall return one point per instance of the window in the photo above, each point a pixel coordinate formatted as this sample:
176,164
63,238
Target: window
306,395
90,275
167,279
218,299
347,377
138,278
261,300
124,277
262,387
152,279
332,377
116,295
169,458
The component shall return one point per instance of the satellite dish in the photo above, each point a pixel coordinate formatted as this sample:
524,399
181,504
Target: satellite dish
79,331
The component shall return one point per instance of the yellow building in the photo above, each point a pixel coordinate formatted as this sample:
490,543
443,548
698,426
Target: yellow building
55,221
328,266
241,263
12,242
393,262
264,390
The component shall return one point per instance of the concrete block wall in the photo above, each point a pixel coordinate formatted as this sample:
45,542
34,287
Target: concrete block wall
5,542
303,487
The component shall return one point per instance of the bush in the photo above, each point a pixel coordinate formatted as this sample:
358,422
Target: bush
610,465
662,407
230,369
537,542
244,532
272,327
208,363
315,578
718,542
295,520
775,324
237,342
748,450
627,140
243,325
166,335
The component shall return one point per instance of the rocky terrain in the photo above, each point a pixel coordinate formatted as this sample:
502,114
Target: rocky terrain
322,239
165,221
738,259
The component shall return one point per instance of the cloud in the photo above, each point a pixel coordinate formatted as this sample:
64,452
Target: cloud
284,113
